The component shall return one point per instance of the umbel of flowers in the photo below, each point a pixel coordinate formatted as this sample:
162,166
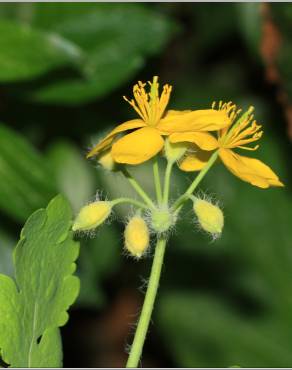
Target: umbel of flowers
194,140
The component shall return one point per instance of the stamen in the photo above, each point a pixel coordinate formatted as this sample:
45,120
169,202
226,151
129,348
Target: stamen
132,103
148,105
244,131
244,141
249,148
229,108
241,123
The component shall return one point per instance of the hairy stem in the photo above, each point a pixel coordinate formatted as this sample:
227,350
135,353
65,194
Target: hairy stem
129,200
167,182
157,182
145,317
138,188
177,205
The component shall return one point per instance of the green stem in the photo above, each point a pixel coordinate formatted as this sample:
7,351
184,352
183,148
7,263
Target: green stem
196,182
129,200
167,182
138,188
157,182
144,320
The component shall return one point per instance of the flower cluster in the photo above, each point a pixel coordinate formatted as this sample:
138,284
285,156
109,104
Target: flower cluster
144,136
192,139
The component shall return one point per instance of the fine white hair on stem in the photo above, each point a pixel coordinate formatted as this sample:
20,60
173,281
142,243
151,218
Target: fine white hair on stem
148,218
144,284
132,328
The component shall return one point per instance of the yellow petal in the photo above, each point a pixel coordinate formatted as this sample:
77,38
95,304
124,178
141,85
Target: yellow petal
197,120
129,125
202,139
249,169
173,112
137,147
195,161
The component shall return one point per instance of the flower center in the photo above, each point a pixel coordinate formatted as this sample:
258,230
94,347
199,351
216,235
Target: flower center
149,105
240,131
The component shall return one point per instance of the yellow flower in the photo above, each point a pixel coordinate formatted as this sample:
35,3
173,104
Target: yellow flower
237,134
145,138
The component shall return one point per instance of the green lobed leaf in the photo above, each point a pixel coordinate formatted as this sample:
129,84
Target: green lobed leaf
34,305
110,71
27,182
6,244
28,53
112,43
99,257
94,25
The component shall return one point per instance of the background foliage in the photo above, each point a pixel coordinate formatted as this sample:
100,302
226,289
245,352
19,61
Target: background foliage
63,71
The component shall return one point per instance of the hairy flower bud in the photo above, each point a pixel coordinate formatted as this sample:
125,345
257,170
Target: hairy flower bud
162,220
92,216
210,216
174,151
106,161
137,236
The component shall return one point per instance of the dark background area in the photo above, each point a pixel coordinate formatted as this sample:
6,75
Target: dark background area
63,71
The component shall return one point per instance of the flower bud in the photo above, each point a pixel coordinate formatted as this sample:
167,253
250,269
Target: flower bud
106,161
92,216
162,220
210,216
136,236
174,151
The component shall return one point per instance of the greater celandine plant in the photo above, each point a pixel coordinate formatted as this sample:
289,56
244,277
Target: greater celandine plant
192,139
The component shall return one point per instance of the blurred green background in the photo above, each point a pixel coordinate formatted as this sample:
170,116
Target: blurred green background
63,71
